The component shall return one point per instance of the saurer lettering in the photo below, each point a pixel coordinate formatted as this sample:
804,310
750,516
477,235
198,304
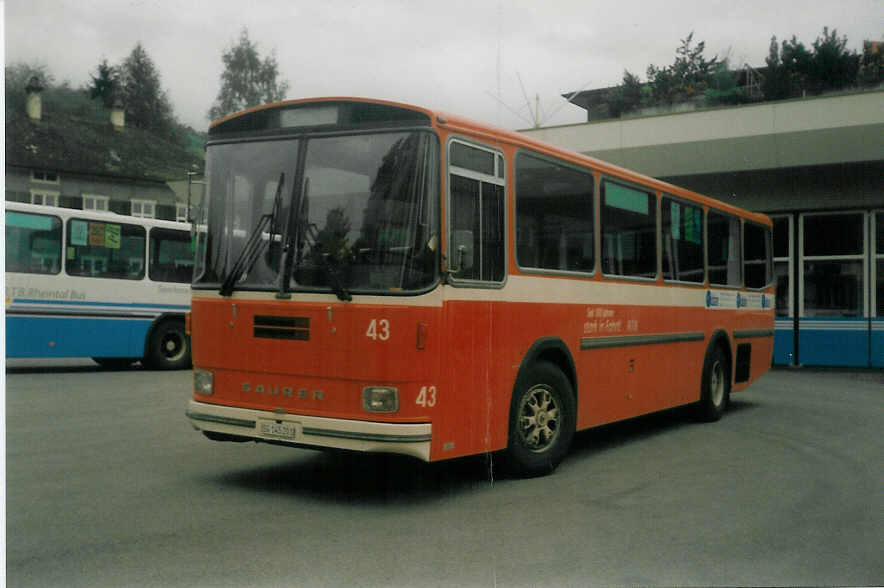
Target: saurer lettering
286,391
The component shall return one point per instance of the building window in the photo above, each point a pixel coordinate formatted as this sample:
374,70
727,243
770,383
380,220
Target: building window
44,197
144,208
832,253
44,176
95,202
181,213
782,238
878,291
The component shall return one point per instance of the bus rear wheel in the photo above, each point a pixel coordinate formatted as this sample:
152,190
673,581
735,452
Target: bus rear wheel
168,347
715,387
542,421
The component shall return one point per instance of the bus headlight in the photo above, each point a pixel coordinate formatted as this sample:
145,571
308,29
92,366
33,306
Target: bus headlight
203,382
380,399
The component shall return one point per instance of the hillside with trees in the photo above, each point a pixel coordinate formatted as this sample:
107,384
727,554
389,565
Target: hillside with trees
75,132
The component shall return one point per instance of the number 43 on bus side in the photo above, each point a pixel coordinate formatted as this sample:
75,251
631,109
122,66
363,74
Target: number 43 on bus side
426,397
378,330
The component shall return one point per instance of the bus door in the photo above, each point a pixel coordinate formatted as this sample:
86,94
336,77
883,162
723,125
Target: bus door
475,266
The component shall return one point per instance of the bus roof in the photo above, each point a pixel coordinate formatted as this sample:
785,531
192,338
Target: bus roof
497,135
97,215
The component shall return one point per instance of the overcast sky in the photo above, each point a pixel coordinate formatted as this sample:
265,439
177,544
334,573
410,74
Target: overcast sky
458,56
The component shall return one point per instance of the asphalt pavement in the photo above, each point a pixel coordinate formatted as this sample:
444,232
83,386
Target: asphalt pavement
107,485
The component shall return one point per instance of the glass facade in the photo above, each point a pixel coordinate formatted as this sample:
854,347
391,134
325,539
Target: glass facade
835,260
832,250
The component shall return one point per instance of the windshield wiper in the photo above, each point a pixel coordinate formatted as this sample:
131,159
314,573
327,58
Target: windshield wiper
293,252
311,234
255,244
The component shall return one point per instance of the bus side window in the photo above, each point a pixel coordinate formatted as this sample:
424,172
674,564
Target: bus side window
171,257
682,227
724,249
554,226
105,250
629,231
756,255
33,243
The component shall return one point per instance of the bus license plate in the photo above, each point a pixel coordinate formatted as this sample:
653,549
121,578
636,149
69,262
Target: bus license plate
281,430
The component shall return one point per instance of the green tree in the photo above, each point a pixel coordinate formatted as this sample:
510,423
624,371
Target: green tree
723,87
247,80
146,103
17,77
793,69
776,79
692,71
627,97
796,60
663,84
832,66
871,69
105,83
688,76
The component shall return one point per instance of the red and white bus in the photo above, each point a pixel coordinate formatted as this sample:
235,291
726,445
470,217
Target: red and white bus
375,276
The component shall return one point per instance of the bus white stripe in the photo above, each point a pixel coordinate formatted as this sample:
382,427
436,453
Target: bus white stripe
539,289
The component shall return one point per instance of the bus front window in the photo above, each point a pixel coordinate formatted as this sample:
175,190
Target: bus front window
364,220
245,182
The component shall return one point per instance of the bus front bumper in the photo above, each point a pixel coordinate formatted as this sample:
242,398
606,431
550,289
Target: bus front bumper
309,431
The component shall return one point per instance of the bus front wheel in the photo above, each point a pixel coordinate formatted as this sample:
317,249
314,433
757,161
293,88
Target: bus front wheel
542,421
168,347
715,387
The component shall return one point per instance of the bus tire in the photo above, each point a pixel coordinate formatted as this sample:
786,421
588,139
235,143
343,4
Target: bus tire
542,421
715,387
115,363
168,346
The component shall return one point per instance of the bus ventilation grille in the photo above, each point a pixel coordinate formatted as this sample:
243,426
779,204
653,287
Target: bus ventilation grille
282,327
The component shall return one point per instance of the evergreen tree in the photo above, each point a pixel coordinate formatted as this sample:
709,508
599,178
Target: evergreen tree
688,76
17,77
105,84
796,60
832,66
663,84
871,68
776,81
146,103
692,71
247,80
626,97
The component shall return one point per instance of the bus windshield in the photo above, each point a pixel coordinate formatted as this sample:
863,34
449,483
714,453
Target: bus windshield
345,213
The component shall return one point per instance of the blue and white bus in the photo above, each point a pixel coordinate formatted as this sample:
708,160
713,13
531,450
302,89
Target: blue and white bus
95,284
